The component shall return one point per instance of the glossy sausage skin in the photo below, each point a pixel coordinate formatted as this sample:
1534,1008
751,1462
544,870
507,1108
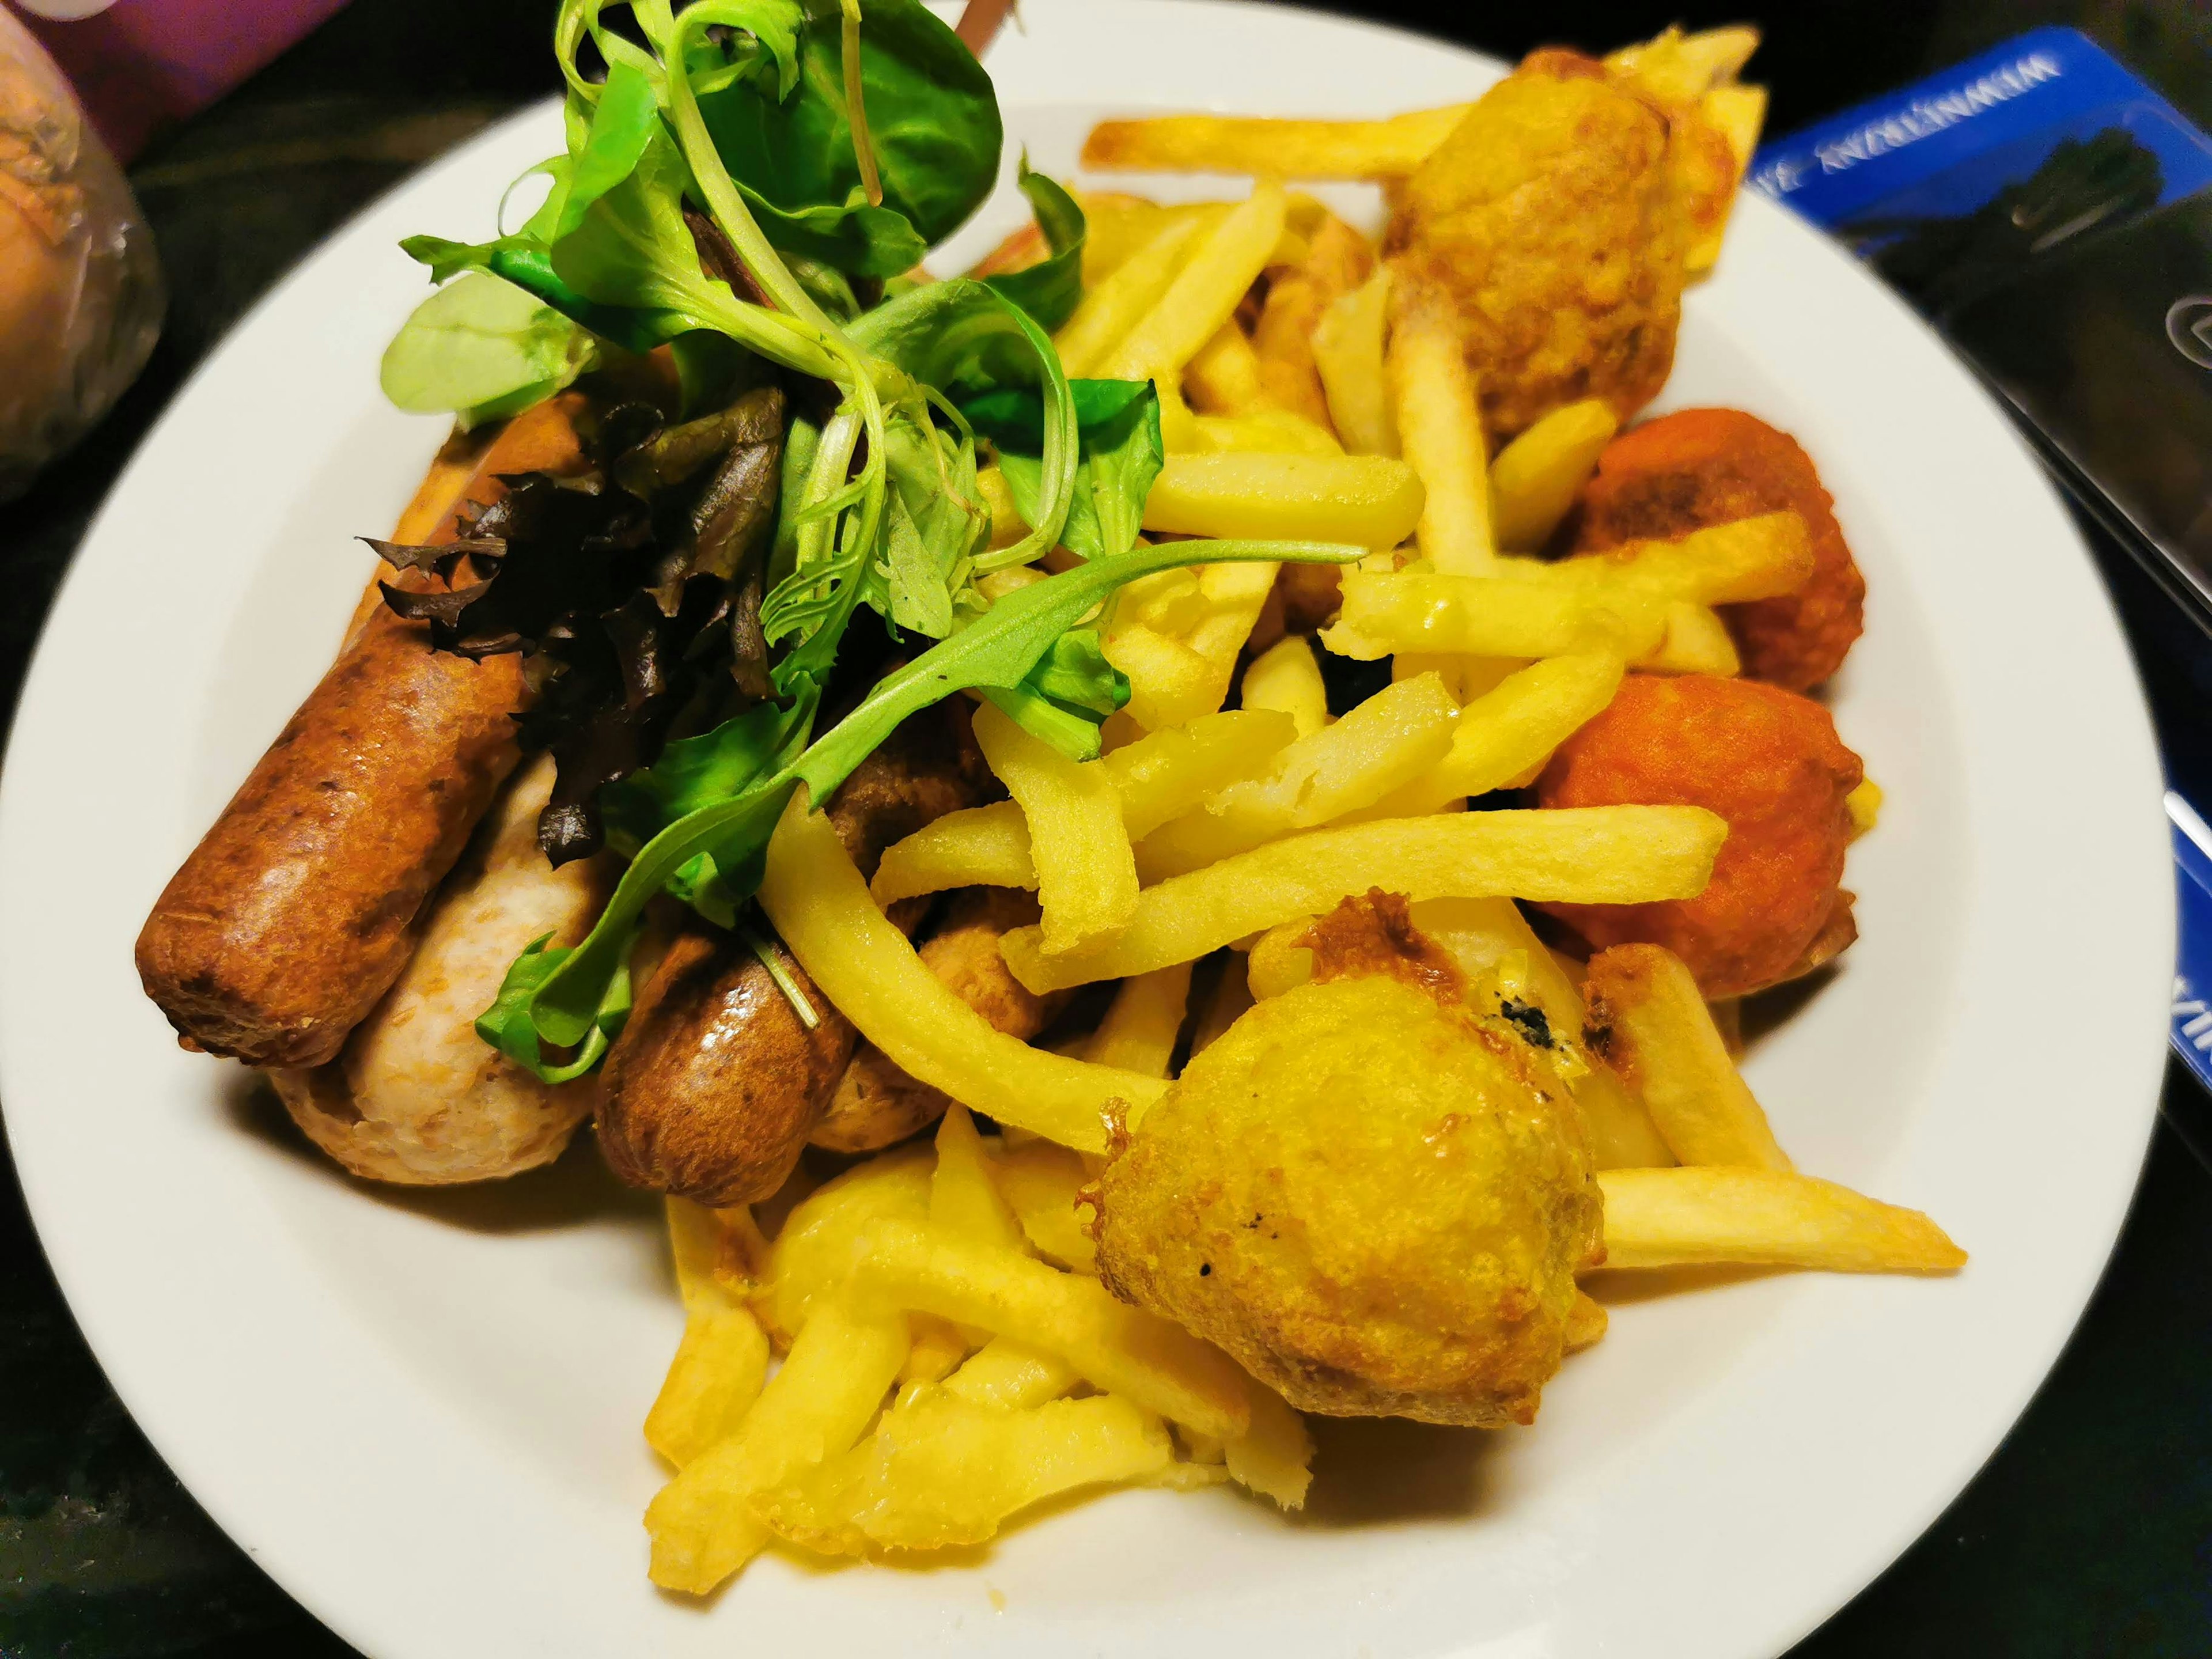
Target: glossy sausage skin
715,1085
300,908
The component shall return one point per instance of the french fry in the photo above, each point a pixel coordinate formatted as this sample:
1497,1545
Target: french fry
1008,1375
1233,595
1286,678
1399,734
934,1351
1676,69
1221,265
1663,1039
1041,1183
1164,774
722,1360
1169,601
1086,872
1338,260
1166,677
1183,1476
941,1471
699,1248
1507,733
1224,378
1159,777
974,847
1143,1021
1502,616
1369,500
1755,558
1484,935
1381,150
1733,116
1715,1214
1622,1135
963,1191
1535,478
1154,1362
1587,855
1695,641
1466,679
1439,414
1348,353
839,1369
1115,225
1274,1456
1117,303
1739,111
864,965
820,1241
1263,429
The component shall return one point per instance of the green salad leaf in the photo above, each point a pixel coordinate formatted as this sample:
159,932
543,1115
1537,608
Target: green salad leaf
1118,426
1051,289
931,123
1067,695
482,348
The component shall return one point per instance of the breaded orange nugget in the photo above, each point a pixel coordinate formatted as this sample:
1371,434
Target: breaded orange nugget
1701,467
1770,762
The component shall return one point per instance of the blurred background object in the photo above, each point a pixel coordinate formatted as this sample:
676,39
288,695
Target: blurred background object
80,289
142,66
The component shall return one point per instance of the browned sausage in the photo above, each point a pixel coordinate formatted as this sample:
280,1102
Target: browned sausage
416,1096
299,908
876,1104
714,1084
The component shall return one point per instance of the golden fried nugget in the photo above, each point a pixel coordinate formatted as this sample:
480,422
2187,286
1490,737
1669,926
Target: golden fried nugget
1372,1195
1550,216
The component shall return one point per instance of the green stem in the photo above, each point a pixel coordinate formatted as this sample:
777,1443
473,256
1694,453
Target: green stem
856,106
723,200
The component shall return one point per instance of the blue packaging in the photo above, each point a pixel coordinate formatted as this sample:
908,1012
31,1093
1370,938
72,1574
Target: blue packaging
2052,215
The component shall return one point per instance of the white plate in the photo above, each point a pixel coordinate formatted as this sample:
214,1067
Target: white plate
420,1412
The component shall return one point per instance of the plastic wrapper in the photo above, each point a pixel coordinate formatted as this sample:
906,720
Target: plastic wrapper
80,294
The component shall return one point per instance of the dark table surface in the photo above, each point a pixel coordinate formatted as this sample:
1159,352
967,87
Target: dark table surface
2089,1533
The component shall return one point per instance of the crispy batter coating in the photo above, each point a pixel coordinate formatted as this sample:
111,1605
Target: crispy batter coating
1550,217
1770,762
1706,466
1370,1194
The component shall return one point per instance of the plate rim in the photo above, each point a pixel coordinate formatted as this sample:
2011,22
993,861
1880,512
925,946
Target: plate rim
35,696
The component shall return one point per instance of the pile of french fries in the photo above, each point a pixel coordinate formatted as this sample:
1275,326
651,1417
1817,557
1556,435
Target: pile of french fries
949,1356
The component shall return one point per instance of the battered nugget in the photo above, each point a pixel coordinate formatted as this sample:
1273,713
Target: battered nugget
1551,216
1372,1193
1770,762
1700,467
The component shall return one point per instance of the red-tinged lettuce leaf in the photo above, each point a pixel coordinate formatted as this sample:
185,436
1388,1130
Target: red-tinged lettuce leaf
633,593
